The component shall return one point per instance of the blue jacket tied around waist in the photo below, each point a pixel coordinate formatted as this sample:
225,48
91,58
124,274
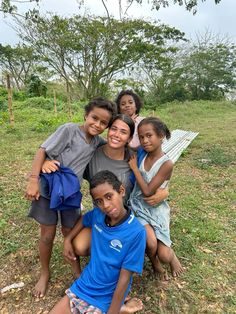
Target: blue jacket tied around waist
62,188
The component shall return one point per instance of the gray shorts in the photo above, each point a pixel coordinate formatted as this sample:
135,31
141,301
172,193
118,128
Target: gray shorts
41,212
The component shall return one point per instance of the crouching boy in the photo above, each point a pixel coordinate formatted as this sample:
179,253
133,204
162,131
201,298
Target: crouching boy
117,251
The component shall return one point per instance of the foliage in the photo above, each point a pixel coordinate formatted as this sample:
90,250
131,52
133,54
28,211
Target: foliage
35,87
203,70
89,52
9,6
19,62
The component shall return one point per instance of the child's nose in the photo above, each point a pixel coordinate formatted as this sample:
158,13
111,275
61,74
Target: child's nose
106,204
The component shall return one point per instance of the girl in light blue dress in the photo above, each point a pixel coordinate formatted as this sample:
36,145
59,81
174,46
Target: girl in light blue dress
154,172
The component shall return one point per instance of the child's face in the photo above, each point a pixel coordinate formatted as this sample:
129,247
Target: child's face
118,134
109,201
148,138
96,121
127,105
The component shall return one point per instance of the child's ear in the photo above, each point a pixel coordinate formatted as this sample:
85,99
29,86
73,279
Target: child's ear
122,190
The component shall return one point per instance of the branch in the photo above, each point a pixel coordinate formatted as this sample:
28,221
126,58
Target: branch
108,16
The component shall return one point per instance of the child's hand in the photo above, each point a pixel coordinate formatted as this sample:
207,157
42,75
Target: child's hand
68,251
159,196
133,162
134,117
32,190
50,166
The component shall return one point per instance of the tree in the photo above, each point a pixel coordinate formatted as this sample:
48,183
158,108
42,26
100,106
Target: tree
205,69
19,61
90,51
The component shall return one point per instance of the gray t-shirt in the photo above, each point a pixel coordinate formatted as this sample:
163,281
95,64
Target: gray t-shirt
120,168
68,145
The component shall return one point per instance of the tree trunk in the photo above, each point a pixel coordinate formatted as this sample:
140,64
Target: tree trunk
10,108
68,99
55,101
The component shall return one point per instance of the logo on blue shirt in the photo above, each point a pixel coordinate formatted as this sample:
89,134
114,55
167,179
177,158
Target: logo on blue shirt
116,245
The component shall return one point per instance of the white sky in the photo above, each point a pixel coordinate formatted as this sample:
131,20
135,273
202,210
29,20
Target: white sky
218,19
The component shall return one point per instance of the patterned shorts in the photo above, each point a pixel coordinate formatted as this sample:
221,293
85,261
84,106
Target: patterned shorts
78,306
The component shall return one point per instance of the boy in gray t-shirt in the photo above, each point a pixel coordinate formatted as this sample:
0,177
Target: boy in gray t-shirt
72,145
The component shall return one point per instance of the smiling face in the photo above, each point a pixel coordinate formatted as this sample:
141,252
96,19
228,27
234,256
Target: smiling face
96,121
109,201
127,105
148,138
118,134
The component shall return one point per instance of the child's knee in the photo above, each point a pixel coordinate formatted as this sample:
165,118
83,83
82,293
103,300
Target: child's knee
152,246
82,242
47,239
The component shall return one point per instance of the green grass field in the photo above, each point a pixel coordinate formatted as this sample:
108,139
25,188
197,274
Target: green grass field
202,198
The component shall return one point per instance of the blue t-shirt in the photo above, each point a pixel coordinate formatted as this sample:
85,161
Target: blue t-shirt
112,248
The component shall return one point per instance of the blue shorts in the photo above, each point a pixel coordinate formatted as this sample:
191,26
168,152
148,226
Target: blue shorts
41,212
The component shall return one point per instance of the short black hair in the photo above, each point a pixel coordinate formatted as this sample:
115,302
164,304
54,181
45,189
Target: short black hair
105,176
100,102
126,119
159,126
137,99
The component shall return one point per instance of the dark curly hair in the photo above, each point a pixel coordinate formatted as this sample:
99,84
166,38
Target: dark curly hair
159,127
100,102
137,99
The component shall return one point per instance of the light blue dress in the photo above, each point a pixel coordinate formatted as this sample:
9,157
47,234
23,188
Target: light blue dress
157,216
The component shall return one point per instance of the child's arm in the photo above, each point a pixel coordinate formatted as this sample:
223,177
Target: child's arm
32,190
159,196
119,293
162,175
68,250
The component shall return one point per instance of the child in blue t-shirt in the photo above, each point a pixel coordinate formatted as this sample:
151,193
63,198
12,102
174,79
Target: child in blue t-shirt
117,251
72,145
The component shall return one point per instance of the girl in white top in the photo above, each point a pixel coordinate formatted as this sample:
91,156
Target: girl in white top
154,172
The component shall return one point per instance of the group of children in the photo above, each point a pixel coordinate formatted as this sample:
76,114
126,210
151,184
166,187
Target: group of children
120,232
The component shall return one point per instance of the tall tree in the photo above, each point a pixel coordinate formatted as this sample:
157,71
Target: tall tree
90,51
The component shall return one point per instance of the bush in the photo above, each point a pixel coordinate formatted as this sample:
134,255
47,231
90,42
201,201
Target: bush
39,102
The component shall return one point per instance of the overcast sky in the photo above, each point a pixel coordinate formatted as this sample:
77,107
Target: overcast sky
219,19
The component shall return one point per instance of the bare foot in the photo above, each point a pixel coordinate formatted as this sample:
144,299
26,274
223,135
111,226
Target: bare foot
176,267
41,286
163,276
160,271
133,305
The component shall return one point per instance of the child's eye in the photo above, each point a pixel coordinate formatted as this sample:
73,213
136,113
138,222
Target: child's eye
108,197
104,123
98,202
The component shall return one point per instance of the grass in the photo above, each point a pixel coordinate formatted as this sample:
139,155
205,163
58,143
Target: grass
202,198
